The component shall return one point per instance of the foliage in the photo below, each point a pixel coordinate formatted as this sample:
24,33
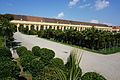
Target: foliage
48,73
36,66
1,41
8,68
8,78
46,55
26,59
57,62
6,29
74,72
90,38
21,50
32,32
36,50
44,66
92,76
5,52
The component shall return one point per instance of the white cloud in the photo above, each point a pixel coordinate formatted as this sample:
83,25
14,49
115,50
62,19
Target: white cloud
85,5
97,21
94,21
73,2
110,24
60,15
101,4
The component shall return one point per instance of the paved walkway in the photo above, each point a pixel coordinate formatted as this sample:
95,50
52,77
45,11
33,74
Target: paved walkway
107,65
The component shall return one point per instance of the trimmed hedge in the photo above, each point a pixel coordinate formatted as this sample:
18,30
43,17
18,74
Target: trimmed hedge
92,76
46,55
8,68
5,52
57,62
36,50
21,50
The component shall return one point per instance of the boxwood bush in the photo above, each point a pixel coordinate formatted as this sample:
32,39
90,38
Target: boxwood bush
5,52
21,50
92,76
57,62
46,54
36,50
8,68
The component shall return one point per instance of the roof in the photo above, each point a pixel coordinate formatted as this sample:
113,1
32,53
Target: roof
53,20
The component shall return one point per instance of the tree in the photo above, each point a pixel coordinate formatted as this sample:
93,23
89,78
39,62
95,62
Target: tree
6,29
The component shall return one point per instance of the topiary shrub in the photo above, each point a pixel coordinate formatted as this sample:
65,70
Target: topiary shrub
21,50
5,52
8,78
32,32
92,76
36,50
36,66
8,68
57,62
46,54
41,33
26,59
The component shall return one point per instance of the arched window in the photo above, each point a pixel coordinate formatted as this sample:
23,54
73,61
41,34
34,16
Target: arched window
41,27
32,27
50,27
37,28
57,27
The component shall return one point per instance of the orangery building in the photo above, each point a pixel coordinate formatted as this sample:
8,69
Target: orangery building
41,23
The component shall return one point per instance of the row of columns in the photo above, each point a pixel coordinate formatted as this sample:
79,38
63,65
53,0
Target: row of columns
40,27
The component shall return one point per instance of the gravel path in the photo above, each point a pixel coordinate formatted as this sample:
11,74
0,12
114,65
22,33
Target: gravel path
107,65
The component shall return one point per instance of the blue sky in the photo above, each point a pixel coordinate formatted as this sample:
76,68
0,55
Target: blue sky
96,11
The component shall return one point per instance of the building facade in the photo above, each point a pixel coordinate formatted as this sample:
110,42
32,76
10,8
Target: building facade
116,29
41,23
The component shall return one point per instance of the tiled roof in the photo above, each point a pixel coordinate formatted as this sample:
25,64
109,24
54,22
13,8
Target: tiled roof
52,20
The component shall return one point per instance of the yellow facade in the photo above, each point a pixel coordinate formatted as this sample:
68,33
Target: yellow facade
47,25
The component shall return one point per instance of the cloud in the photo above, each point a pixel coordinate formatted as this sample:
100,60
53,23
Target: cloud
85,5
94,21
73,2
101,4
60,15
109,24
97,21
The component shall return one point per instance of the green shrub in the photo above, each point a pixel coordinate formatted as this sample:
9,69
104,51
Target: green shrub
57,62
46,54
5,52
8,78
32,32
8,68
48,74
36,67
92,76
36,50
41,33
26,59
21,50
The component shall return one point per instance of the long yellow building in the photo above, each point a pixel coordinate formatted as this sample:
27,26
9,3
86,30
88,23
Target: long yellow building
41,23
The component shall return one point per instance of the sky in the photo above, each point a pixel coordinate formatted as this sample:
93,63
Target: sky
95,11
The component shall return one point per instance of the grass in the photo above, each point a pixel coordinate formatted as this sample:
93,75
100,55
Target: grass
1,41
